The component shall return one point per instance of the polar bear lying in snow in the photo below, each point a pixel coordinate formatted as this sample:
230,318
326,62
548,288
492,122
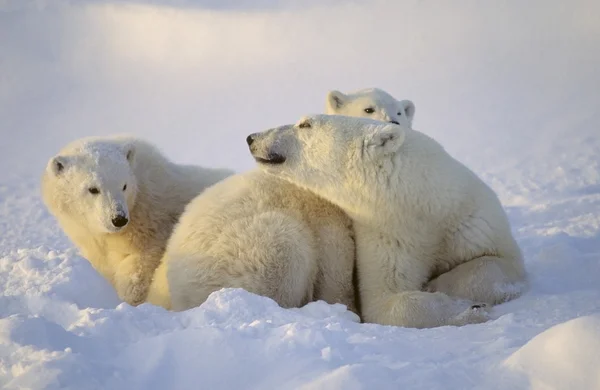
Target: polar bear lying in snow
422,220
118,198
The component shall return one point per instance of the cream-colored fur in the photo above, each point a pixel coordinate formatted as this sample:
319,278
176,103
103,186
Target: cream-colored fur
265,235
422,219
155,195
268,236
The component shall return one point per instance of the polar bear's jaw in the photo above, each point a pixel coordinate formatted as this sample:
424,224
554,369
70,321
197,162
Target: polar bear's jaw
270,159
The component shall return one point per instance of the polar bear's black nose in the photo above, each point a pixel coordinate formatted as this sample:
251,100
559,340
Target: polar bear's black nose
250,139
120,221
395,122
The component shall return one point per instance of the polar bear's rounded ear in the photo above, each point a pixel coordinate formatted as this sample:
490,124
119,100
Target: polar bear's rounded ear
57,165
386,139
130,153
335,100
409,110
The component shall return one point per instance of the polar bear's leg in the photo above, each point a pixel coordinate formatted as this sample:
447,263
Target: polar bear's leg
389,284
487,279
418,309
414,309
158,293
336,263
133,276
270,254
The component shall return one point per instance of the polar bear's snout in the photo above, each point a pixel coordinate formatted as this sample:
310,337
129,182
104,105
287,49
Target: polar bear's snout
120,221
263,150
120,218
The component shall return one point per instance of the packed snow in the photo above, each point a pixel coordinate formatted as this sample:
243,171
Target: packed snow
509,88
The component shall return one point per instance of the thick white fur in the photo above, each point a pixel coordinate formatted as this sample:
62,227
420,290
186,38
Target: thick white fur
371,103
263,234
156,194
422,219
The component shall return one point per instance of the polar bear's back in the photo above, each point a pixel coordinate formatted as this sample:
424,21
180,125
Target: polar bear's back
247,195
263,234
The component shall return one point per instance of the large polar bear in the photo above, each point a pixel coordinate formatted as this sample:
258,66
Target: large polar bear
371,103
266,235
117,198
422,220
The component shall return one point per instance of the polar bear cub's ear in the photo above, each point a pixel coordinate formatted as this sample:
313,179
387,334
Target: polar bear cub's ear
409,110
335,100
129,150
386,139
57,165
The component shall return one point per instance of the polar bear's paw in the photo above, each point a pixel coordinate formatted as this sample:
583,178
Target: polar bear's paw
130,283
131,290
476,313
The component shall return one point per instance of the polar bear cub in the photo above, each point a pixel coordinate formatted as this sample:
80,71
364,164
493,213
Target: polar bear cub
263,234
371,103
422,220
117,198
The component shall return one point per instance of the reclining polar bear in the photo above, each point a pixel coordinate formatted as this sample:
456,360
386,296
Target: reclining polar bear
422,220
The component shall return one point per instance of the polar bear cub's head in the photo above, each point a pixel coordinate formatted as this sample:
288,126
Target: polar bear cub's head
346,160
371,103
91,183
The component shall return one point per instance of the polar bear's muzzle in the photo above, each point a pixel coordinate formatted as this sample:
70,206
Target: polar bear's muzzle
262,153
120,218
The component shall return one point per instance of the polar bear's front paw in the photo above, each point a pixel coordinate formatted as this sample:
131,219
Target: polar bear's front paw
476,313
131,289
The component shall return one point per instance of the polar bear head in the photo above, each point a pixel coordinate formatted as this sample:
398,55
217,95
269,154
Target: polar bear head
91,183
350,161
371,103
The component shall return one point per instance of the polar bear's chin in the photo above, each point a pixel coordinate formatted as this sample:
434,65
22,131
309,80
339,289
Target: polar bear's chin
110,229
270,159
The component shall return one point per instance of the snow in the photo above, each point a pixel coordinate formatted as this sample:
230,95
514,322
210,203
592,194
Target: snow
510,89
564,356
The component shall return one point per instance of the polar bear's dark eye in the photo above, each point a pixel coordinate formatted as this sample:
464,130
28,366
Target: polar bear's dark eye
94,190
369,110
124,187
400,113
304,125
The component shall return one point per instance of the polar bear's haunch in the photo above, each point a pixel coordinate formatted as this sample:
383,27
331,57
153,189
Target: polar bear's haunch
423,221
118,198
265,235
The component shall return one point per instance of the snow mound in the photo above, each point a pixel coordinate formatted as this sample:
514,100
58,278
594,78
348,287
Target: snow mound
149,348
566,356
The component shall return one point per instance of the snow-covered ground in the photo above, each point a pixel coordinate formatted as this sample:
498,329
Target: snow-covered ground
510,88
